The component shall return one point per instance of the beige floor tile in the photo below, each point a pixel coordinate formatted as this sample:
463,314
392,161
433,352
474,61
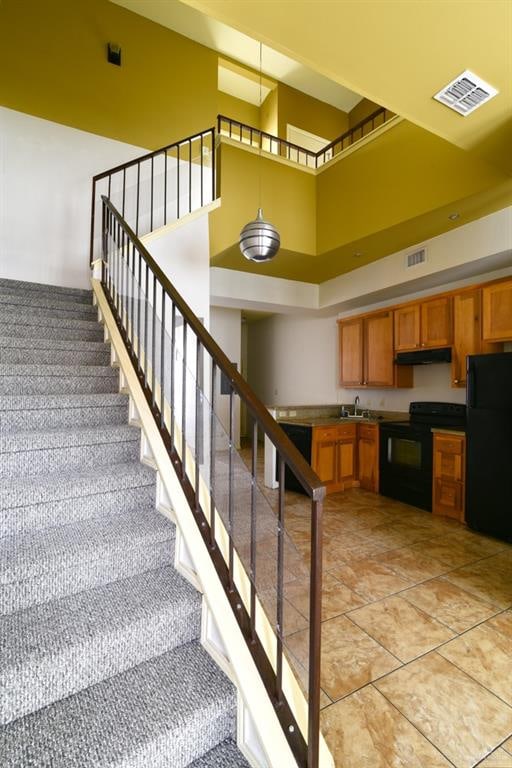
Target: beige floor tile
411,565
485,655
404,630
293,620
449,551
437,698
488,579
370,579
366,731
386,535
336,597
497,759
335,549
450,604
502,623
367,549
350,658
507,745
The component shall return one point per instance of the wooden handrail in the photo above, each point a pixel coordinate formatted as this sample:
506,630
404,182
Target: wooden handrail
309,480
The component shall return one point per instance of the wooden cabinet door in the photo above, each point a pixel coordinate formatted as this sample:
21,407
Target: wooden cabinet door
346,461
448,499
436,322
368,457
467,330
449,476
324,462
378,347
351,352
407,327
497,311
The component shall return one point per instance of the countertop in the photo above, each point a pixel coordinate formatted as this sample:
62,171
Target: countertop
329,421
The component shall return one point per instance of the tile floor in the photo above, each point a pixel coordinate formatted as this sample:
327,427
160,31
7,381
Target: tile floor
417,635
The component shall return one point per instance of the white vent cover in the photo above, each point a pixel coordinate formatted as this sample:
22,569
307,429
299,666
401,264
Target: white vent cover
418,257
466,93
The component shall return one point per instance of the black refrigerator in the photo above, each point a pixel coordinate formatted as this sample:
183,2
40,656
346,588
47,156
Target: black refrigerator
489,444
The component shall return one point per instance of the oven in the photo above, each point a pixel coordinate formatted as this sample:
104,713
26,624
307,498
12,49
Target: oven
406,451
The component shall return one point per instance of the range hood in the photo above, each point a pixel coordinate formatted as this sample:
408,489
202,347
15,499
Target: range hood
424,356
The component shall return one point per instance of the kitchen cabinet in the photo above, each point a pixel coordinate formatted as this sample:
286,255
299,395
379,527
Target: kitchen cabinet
366,353
334,456
448,475
467,333
497,311
425,324
368,457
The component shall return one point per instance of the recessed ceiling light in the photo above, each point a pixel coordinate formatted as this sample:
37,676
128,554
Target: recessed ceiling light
454,216
466,93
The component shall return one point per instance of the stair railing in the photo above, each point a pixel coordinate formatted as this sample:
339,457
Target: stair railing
158,187
254,137
177,363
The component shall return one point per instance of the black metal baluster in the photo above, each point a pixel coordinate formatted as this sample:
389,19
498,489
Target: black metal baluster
315,624
173,358
184,405
280,582
132,274
139,302
212,456
162,364
146,301
109,186
124,191
165,188
153,346
231,500
253,528
138,200
213,166
199,391
152,183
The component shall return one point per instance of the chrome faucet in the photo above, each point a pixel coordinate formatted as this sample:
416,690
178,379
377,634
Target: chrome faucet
356,404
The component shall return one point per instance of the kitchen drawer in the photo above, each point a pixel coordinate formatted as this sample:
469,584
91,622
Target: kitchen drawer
450,444
367,431
346,431
336,432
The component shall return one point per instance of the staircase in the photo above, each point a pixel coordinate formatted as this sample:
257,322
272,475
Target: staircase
100,660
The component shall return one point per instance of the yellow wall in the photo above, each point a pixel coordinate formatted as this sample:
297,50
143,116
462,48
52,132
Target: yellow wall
360,111
53,64
269,113
402,174
238,109
287,197
310,114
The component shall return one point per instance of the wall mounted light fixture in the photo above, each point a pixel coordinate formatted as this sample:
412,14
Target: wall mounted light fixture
114,54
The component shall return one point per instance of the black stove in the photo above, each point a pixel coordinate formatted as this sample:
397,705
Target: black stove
406,451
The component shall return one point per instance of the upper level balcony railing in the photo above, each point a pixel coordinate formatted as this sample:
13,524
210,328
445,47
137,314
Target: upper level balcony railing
258,139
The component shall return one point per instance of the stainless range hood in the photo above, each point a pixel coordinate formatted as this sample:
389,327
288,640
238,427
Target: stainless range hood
424,356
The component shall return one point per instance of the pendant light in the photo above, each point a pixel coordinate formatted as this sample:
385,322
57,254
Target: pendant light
259,239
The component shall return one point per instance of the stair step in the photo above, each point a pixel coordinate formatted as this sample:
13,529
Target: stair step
46,565
34,453
225,755
43,318
31,412
49,379
47,306
164,712
54,356
15,330
33,289
42,342
91,636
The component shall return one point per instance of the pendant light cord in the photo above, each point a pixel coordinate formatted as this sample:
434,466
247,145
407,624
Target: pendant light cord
261,135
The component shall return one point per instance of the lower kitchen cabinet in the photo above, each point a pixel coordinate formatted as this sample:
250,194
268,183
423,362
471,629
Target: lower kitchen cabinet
368,457
333,455
449,475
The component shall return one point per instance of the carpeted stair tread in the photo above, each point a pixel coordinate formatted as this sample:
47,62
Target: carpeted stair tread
56,548
51,379
93,332
164,712
61,401
16,356
59,371
58,437
18,412
28,302
29,288
57,649
39,319
66,345
225,755
69,485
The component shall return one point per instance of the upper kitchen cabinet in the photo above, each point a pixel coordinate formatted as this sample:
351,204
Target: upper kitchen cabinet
497,311
467,333
366,353
424,324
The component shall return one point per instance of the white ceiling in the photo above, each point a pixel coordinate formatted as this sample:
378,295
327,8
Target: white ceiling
229,42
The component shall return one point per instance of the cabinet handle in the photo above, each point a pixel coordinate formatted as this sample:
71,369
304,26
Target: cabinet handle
456,381
423,344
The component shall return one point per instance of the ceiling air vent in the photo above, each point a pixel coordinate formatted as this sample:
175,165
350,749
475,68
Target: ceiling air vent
466,93
418,257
